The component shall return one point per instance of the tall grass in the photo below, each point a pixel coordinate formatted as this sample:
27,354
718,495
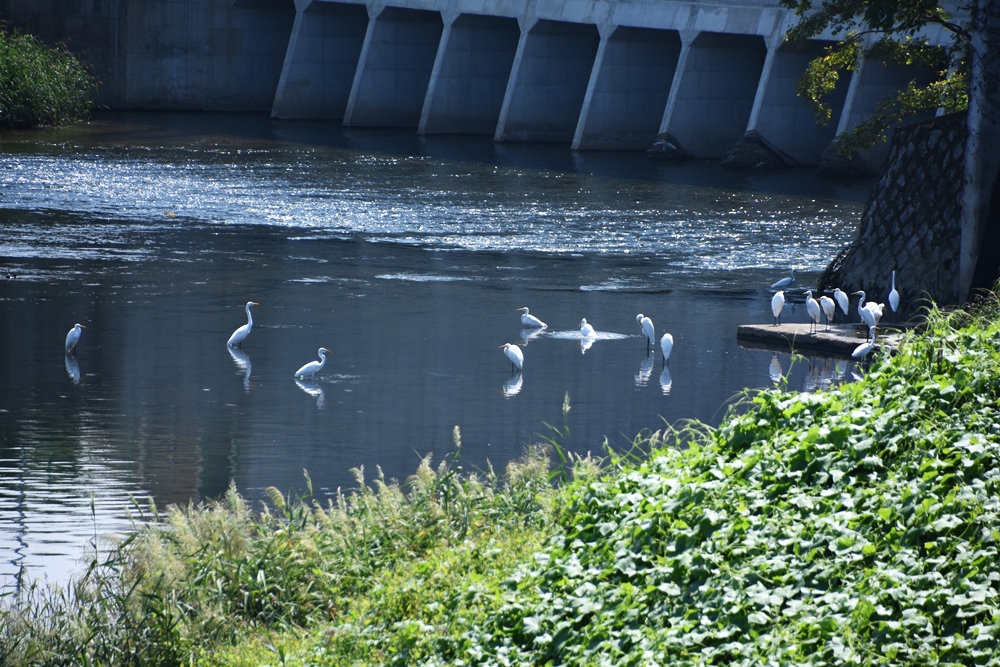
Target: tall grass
208,574
40,85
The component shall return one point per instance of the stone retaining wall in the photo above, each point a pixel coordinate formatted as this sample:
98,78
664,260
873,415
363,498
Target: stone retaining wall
911,223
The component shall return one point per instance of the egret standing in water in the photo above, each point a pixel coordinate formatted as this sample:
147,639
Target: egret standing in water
515,355
777,303
312,367
647,330
785,282
530,321
243,331
586,330
829,309
863,350
666,344
73,337
894,295
813,309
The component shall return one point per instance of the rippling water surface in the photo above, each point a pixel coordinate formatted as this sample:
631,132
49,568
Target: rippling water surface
407,257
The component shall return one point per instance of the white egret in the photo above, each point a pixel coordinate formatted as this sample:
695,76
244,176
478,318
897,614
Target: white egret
813,309
863,350
829,309
840,296
894,295
785,282
528,320
243,331
586,330
314,367
666,344
869,312
515,355
647,330
73,337
777,303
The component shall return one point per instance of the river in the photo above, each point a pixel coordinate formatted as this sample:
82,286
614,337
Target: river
407,257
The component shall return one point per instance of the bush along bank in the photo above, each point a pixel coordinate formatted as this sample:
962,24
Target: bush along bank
40,85
853,526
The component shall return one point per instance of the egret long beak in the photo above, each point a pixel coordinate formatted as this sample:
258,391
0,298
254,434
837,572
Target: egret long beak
503,346
254,303
853,293
83,326
520,308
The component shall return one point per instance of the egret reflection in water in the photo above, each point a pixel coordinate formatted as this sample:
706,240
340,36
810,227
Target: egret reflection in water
242,362
528,335
586,344
72,368
512,387
645,371
666,382
313,389
775,370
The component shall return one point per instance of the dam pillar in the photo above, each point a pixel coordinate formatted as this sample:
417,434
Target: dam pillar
470,76
394,68
629,88
714,91
321,61
548,82
783,118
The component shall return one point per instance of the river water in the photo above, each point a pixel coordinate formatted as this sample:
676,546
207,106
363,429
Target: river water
405,256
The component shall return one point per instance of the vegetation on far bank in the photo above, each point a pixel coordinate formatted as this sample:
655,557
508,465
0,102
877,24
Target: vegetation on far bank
41,85
858,525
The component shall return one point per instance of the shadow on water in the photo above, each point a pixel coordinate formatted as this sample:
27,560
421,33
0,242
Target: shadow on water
407,256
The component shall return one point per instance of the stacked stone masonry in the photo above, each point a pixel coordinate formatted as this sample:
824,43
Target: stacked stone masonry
911,222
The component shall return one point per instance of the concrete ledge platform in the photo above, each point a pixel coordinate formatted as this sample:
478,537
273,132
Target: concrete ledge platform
796,337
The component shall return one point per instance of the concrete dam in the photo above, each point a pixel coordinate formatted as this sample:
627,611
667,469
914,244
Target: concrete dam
594,74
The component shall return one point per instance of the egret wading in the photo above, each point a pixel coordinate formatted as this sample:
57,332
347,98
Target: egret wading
515,355
313,367
829,309
647,330
813,309
666,344
777,303
240,334
785,282
586,330
863,350
73,337
530,321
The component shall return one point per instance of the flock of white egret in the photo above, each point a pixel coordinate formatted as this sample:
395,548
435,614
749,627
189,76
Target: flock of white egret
870,312
587,332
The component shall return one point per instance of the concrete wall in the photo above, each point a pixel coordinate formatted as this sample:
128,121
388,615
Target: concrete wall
784,119
188,54
592,73
471,75
551,72
633,75
395,66
322,57
716,92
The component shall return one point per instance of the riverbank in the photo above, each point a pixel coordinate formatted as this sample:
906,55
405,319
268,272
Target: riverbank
855,524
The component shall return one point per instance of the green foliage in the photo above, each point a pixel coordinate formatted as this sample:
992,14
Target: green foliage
213,573
886,31
859,525
41,85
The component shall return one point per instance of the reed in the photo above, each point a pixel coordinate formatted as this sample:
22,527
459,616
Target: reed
41,85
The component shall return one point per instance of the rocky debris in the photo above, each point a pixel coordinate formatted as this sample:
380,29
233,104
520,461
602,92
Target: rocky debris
911,223
753,151
666,147
836,164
